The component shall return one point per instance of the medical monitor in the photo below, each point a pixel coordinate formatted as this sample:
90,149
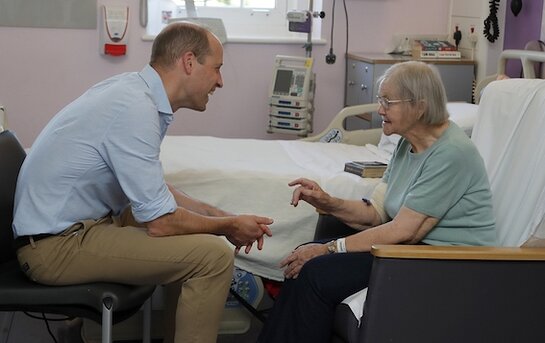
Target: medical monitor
291,84
283,83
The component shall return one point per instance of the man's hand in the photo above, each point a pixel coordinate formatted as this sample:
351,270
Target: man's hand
295,261
248,229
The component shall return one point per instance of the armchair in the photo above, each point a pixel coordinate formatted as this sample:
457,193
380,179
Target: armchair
455,294
105,303
423,293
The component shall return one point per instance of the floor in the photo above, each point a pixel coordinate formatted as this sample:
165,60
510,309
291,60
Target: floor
19,328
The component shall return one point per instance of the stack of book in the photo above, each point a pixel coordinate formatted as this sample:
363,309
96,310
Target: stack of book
365,169
435,49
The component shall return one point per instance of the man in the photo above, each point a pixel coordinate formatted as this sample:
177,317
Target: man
92,205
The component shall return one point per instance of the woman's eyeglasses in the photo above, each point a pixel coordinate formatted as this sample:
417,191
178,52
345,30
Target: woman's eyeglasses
385,102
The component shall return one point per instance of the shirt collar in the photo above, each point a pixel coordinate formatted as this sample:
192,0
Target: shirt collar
153,80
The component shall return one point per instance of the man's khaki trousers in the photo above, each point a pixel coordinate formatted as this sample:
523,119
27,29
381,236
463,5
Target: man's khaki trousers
197,269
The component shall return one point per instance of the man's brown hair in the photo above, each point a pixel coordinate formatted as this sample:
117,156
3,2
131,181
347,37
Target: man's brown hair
175,40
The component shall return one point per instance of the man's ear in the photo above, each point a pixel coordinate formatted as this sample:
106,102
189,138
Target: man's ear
188,61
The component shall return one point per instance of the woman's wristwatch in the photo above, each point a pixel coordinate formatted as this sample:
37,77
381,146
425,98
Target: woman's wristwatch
336,246
331,246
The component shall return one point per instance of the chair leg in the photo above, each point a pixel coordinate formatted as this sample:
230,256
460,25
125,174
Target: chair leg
107,305
146,334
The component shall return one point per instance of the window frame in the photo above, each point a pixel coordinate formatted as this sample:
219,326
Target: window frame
267,26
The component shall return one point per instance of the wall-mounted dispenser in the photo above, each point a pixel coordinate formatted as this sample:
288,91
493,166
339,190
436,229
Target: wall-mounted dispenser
114,25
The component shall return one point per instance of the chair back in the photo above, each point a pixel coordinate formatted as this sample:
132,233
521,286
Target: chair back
12,156
509,135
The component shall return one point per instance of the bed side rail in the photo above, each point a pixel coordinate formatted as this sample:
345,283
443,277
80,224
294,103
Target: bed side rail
336,131
527,57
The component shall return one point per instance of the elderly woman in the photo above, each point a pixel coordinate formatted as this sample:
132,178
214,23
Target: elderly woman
435,191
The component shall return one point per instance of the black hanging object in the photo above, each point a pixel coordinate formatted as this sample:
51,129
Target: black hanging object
516,6
491,28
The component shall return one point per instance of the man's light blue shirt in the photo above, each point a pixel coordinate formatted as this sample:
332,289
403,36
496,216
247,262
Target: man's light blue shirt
97,156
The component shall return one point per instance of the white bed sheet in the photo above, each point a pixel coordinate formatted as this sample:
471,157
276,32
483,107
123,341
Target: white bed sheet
251,176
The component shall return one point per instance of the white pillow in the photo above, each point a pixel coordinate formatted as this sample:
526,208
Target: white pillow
462,113
388,143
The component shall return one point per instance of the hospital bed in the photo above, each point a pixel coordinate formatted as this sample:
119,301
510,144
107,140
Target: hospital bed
252,176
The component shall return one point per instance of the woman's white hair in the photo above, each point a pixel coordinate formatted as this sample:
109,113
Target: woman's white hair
420,82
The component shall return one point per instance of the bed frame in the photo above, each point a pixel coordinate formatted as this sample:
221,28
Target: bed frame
528,58
355,137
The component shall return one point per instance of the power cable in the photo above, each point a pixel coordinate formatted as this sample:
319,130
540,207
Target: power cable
491,27
331,58
47,320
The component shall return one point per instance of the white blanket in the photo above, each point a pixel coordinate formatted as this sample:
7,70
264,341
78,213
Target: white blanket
251,176
509,136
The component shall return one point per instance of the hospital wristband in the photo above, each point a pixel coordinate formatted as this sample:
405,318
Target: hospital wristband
341,245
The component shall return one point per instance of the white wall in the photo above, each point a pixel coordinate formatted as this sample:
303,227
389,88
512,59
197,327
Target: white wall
41,70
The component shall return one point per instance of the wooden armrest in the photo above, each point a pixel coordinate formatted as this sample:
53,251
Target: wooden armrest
458,252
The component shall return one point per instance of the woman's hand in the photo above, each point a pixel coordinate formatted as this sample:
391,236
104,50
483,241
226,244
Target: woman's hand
295,261
310,192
